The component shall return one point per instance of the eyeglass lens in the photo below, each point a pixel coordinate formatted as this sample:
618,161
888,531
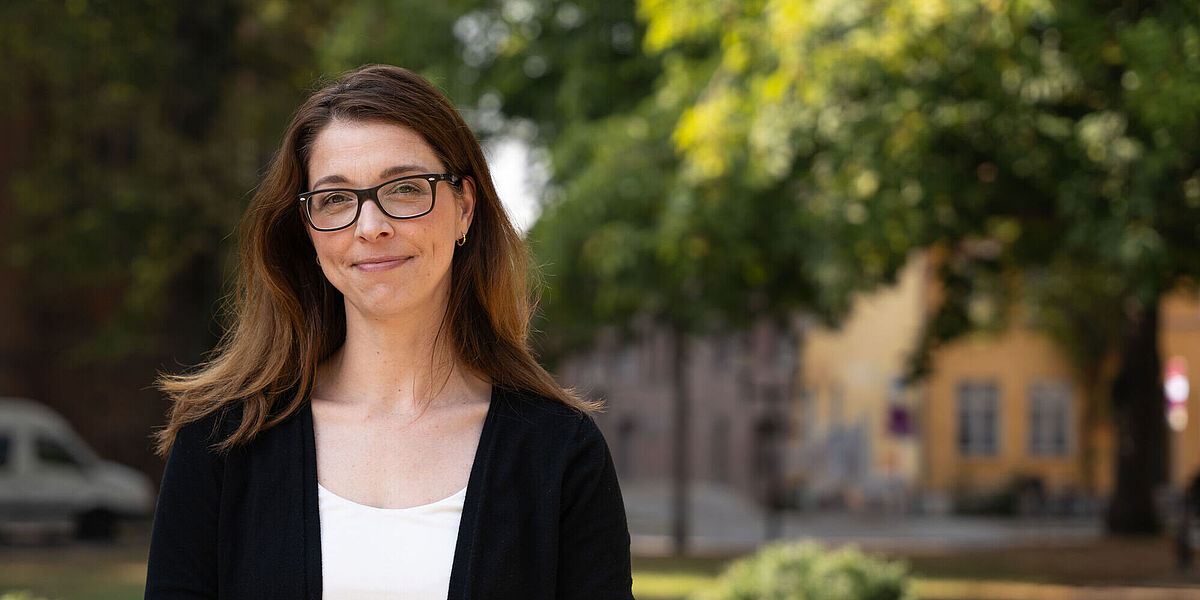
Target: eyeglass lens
398,199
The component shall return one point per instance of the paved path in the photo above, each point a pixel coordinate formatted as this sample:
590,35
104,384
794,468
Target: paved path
724,523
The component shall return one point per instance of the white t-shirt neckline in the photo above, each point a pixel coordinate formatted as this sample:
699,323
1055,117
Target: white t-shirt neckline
337,498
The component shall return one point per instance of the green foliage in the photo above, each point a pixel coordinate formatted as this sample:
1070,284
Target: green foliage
625,238
1020,136
19,595
542,62
414,35
598,240
143,127
803,571
1048,151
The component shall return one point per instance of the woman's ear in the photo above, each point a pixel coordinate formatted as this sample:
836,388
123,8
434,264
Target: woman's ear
466,205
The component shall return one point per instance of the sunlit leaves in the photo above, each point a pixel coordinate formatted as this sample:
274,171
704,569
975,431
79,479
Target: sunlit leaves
1059,133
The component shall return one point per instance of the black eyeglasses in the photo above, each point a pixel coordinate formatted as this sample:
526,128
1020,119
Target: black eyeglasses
405,197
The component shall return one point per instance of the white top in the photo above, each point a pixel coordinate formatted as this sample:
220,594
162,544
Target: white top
370,553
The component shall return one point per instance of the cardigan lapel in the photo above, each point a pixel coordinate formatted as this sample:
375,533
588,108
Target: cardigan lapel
467,548
312,515
272,508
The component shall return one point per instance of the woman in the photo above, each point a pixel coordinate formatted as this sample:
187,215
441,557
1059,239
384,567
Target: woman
373,425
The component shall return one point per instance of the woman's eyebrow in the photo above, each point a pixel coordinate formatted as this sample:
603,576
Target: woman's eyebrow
401,170
387,173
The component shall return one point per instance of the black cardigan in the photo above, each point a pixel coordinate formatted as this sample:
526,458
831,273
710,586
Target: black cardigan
543,515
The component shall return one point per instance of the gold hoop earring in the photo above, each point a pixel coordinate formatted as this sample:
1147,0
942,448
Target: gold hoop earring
462,240
318,261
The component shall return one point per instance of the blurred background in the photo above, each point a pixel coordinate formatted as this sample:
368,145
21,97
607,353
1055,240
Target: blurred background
915,276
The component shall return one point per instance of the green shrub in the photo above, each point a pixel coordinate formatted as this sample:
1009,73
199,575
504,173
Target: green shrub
18,595
803,571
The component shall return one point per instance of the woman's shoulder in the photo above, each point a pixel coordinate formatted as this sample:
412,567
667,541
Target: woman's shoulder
284,418
534,408
204,433
542,417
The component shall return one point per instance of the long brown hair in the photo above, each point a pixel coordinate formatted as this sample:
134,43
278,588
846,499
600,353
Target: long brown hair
287,317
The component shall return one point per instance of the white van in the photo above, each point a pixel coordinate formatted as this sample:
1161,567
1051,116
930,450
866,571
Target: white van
52,483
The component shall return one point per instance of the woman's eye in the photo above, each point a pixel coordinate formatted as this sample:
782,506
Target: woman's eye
333,200
404,189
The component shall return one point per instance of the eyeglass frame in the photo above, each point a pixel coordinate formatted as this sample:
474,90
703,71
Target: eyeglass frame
372,193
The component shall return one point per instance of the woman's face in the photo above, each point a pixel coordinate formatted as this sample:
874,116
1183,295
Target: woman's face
386,267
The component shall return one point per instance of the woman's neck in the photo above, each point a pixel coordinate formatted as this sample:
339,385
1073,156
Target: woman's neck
397,367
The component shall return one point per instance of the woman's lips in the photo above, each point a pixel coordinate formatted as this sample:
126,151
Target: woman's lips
381,264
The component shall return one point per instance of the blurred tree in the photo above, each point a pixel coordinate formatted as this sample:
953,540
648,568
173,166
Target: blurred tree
149,124
142,127
1055,140
524,68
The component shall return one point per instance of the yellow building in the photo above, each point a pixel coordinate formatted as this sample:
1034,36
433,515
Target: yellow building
853,451
1006,406
995,408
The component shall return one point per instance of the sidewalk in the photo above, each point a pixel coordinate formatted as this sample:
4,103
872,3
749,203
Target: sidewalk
723,523
951,557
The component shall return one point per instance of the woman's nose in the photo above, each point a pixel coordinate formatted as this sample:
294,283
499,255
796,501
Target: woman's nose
372,223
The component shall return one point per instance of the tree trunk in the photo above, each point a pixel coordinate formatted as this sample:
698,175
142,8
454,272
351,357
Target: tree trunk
794,328
1092,396
681,439
1140,426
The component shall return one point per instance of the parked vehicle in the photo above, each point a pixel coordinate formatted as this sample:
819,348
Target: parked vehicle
51,482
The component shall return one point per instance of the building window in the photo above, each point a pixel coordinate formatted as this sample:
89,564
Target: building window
978,418
1049,418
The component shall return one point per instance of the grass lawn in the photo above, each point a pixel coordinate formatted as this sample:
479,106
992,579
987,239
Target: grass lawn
671,578
99,573
117,572
983,573
74,571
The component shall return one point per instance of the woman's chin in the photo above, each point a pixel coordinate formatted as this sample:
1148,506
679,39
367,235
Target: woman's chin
379,311
386,305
